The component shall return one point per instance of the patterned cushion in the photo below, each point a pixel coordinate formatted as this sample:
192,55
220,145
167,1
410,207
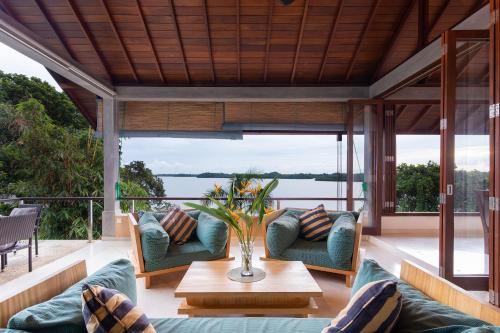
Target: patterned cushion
315,224
107,310
178,225
374,308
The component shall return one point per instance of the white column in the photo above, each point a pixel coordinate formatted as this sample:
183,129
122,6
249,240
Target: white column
111,165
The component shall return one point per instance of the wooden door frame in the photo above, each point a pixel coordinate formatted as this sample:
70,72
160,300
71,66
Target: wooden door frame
447,160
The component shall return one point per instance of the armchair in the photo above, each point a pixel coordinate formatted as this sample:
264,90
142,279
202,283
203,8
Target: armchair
153,254
339,253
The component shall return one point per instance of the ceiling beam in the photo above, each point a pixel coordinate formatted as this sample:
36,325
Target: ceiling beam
333,30
468,59
6,8
23,40
425,59
209,39
90,38
150,41
299,41
179,40
238,55
423,23
54,29
399,111
440,13
394,38
119,39
268,36
361,39
419,117
241,94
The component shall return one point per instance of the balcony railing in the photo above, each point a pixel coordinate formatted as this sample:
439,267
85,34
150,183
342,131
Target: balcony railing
276,201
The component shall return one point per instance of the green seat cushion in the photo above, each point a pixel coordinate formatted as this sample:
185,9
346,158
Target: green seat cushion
180,255
212,233
281,233
340,242
154,240
419,313
63,313
310,253
240,325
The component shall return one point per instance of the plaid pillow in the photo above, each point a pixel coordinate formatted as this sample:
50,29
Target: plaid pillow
178,225
108,310
315,224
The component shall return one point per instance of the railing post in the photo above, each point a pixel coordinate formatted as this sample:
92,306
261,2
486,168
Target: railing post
278,204
90,222
133,206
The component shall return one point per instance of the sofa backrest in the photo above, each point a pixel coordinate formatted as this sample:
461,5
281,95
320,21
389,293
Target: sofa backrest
41,290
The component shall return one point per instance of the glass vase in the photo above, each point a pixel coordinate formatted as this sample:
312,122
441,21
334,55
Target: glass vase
246,249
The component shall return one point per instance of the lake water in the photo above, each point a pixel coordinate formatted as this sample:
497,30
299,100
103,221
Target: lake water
290,188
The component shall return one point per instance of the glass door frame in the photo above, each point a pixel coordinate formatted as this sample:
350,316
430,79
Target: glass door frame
447,178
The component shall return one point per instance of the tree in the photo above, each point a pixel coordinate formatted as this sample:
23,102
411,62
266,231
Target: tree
417,187
137,172
17,88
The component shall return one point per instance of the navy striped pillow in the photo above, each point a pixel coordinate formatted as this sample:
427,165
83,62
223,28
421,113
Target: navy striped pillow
374,308
178,225
315,224
108,310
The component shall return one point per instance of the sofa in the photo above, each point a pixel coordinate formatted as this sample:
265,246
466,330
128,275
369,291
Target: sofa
339,253
153,253
420,313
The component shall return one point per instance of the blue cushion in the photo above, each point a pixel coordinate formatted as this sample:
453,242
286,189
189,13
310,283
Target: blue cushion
63,313
419,313
212,233
340,242
281,233
147,217
374,308
154,240
240,325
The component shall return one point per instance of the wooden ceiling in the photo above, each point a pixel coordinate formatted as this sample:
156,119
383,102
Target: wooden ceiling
237,42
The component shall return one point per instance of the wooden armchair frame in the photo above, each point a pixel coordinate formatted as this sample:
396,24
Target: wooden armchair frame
138,260
349,275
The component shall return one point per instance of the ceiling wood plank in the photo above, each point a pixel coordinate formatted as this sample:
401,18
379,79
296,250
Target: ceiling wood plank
333,30
179,40
439,15
140,12
6,8
394,38
268,36
299,41
209,40
361,39
419,117
238,43
423,23
119,39
83,26
54,29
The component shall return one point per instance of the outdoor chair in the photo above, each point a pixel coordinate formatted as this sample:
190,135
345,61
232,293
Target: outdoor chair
154,254
339,253
38,209
14,230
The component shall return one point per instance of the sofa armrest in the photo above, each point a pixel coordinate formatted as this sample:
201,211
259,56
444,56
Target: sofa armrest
340,242
154,241
281,233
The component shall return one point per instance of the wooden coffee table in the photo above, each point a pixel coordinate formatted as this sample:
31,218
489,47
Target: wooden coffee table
287,290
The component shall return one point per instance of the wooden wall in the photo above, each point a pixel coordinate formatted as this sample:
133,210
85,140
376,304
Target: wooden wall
211,116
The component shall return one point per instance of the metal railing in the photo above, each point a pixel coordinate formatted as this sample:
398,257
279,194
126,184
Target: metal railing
90,202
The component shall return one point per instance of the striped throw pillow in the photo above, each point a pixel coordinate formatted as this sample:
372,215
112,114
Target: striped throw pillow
108,310
374,308
315,224
178,225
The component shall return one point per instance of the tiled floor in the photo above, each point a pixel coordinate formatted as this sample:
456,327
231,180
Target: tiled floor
159,301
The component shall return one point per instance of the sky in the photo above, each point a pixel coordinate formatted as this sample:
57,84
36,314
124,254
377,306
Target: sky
286,154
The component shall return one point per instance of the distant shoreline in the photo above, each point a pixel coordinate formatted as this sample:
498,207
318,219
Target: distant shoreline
358,177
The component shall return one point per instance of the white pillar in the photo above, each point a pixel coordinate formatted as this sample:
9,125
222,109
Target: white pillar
111,165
